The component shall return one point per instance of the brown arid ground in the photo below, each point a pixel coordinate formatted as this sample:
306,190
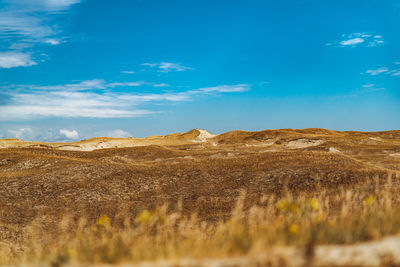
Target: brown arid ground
311,197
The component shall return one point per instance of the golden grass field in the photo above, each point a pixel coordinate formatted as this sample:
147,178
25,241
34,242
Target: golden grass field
309,197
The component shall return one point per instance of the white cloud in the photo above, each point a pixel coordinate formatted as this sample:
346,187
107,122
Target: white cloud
353,41
21,133
151,65
395,72
125,84
92,99
15,59
358,39
51,41
384,70
159,84
30,20
43,5
69,134
81,86
58,4
21,25
168,66
377,71
119,134
372,88
127,72
368,85
224,89
25,23
95,84
70,104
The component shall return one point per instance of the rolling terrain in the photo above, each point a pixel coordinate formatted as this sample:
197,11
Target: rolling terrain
206,172
199,172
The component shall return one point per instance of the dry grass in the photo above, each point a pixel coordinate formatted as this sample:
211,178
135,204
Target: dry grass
186,201
369,212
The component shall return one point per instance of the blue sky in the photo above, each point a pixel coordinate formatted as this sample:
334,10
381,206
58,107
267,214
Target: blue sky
75,69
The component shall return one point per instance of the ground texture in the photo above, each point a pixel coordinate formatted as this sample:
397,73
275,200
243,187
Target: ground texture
199,171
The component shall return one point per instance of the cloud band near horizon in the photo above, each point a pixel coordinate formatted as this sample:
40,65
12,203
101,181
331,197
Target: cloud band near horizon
93,99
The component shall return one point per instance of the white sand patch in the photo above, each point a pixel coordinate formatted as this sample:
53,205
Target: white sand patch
376,139
385,252
303,143
203,136
261,144
73,148
376,253
334,150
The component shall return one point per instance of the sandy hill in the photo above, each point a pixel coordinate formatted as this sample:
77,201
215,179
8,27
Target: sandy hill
206,171
275,139
193,136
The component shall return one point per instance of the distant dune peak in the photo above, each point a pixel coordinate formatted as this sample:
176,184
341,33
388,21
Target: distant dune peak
273,139
202,135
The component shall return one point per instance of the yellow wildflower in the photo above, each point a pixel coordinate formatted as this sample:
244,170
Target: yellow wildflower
293,229
144,217
103,221
313,203
72,254
368,201
283,204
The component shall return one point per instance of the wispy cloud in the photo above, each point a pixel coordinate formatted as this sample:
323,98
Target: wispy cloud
366,89
119,134
15,59
223,89
48,5
20,133
151,65
26,23
377,71
95,84
368,85
395,72
167,66
353,41
384,70
92,99
372,87
358,39
28,133
20,26
80,86
128,72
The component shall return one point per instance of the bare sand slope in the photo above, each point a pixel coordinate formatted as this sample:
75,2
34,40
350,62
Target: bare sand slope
193,136
285,138
385,252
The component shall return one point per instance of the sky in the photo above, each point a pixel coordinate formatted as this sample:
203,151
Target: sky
76,69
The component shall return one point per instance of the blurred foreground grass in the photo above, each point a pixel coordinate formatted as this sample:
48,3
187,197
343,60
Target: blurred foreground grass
368,212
